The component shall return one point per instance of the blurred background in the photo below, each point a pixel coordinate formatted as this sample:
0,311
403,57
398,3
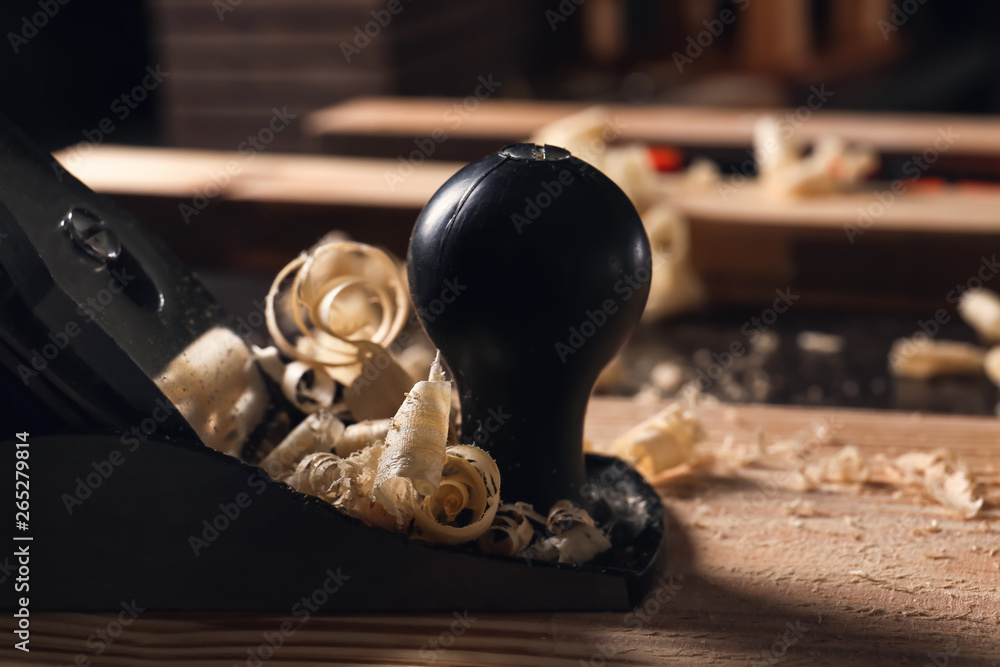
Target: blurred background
336,92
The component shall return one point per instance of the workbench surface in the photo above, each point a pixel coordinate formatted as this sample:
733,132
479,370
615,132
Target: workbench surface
758,572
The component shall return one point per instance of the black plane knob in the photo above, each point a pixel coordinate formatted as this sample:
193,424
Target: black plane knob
529,270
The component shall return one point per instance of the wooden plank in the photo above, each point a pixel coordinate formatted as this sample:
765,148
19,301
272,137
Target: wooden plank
262,177
948,209
876,575
699,126
362,181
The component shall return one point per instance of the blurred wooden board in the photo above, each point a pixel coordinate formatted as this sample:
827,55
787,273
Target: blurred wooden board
865,575
268,207
253,176
275,177
512,120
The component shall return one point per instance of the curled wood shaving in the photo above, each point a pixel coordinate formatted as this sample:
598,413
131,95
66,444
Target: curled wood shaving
981,309
415,444
674,286
218,389
306,386
661,442
925,358
512,529
938,474
316,433
784,172
846,466
507,536
336,306
565,515
360,435
577,545
991,364
568,534
347,484
411,481
466,502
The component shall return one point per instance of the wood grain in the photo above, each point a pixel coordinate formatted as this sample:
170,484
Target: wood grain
697,126
875,575
263,177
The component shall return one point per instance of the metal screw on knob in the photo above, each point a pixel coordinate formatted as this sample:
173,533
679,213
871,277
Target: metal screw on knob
90,234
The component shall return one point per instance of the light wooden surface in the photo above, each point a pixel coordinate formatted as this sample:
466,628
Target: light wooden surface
875,576
260,177
368,182
701,126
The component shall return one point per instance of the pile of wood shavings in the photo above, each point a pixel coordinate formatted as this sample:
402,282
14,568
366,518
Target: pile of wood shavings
668,446
335,314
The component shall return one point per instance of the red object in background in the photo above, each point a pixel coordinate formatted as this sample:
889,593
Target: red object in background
666,158
927,185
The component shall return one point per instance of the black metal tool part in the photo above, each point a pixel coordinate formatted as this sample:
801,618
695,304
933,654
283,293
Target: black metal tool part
529,269
175,525
92,306
167,523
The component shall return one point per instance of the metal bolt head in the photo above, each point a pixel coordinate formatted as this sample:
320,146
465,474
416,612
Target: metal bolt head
535,152
90,234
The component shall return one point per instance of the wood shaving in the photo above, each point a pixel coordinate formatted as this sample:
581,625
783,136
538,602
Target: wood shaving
568,534
466,502
674,286
316,433
831,167
217,388
981,309
337,306
414,452
991,364
410,482
667,376
347,484
924,358
661,442
820,343
360,435
576,546
846,466
939,475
